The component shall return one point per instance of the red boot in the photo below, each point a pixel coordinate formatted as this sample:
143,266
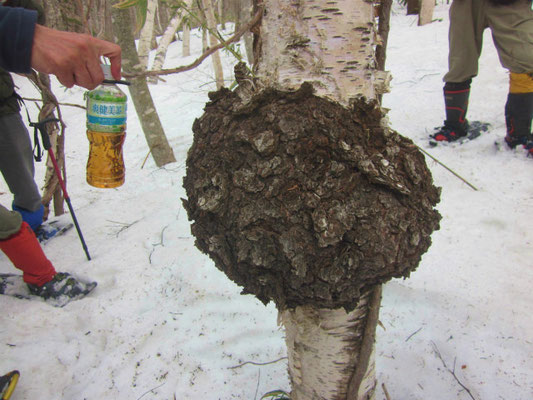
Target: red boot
25,252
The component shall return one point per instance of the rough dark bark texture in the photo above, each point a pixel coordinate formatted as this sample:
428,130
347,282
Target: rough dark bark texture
302,201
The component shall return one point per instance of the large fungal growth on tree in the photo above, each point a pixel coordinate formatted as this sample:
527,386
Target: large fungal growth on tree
302,201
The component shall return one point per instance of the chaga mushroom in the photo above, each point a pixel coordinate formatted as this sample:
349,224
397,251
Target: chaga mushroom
302,201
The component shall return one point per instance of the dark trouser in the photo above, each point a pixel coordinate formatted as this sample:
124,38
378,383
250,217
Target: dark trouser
16,162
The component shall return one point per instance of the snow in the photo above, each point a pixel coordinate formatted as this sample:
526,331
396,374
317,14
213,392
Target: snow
164,323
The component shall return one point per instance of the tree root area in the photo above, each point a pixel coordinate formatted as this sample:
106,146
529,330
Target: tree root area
302,201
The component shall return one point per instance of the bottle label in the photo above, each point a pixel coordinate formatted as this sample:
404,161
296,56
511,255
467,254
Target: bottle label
105,113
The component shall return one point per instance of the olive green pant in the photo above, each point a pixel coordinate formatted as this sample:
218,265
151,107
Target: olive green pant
10,222
512,33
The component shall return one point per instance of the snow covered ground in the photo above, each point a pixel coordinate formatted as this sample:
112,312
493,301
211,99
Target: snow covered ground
164,323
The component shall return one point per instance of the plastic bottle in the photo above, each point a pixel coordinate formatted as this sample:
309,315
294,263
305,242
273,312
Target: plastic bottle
106,131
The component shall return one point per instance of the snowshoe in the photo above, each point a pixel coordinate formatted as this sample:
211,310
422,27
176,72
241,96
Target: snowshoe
447,134
8,382
276,395
62,289
51,229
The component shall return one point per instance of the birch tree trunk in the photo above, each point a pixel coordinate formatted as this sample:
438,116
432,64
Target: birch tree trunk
243,13
147,33
139,91
332,45
165,41
186,45
215,57
413,7
426,12
315,218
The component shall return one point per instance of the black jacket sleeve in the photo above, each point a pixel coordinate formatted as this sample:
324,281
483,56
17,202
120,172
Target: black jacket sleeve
17,27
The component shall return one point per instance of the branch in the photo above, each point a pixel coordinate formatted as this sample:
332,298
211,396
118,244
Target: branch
255,363
437,353
449,169
208,52
61,104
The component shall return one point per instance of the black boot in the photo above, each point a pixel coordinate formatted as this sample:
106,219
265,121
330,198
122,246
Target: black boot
518,114
456,102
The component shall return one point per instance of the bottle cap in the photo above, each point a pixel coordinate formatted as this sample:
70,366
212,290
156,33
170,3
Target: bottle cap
107,71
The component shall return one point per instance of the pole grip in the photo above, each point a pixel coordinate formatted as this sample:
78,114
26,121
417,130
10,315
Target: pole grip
41,125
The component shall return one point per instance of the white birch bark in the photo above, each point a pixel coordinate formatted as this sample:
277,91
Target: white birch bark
330,43
215,57
186,46
426,12
165,41
147,33
323,352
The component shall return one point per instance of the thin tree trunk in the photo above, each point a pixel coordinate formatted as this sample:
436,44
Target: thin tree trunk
165,41
243,14
426,12
147,33
139,91
413,7
215,57
51,188
186,49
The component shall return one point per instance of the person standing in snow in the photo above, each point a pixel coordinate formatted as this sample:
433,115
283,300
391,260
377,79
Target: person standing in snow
16,157
511,23
75,60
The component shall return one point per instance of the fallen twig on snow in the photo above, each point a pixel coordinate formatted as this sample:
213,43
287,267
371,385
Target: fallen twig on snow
449,169
437,353
255,363
125,225
385,391
414,333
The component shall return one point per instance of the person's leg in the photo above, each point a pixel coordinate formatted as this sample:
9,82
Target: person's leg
465,40
467,24
16,165
519,112
20,245
18,242
512,32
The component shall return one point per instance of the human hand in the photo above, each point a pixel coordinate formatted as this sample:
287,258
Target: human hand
73,58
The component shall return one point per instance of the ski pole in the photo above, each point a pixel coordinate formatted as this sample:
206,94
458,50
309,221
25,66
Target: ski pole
48,146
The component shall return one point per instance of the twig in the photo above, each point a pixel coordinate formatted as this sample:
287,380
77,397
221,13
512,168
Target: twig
146,158
437,352
151,390
412,334
255,363
207,53
157,244
258,380
124,225
452,171
61,104
385,391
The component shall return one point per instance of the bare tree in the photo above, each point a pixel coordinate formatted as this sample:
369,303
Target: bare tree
147,33
212,27
426,12
139,91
